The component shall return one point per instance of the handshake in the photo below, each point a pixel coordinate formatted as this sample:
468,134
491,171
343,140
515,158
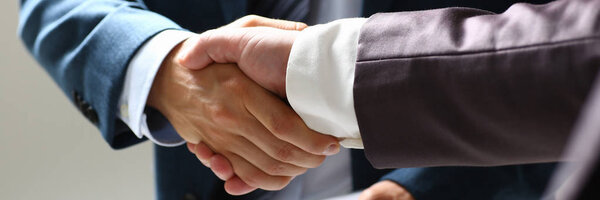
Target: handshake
222,89
445,87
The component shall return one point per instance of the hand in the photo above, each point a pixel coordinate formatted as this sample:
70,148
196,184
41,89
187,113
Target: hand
265,141
219,164
385,190
221,167
261,52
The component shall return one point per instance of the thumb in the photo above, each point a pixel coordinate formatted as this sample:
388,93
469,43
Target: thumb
255,20
201,50
222,45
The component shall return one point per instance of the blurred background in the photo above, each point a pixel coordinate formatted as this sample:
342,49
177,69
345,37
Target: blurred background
48,150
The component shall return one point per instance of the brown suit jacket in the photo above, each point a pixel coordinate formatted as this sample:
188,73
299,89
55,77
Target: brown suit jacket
460,86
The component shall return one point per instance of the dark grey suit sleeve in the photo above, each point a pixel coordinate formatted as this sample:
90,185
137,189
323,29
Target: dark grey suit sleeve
461,86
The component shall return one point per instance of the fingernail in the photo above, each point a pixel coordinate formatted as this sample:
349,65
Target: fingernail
332,149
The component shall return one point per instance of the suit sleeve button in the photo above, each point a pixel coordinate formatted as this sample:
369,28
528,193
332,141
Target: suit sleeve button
91,114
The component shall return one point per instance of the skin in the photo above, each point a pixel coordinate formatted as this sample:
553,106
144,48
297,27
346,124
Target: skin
385,190
247,135
262,53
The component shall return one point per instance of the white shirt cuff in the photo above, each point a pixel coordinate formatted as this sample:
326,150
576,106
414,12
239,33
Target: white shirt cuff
320,79
138,82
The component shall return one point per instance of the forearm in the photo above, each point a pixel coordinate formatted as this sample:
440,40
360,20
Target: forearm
453,86
467,87
141,71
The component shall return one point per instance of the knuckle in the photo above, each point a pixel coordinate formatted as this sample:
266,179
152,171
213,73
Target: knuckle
277,169
282,125
249,20
285,153
254,179
234,83
202,38
220,114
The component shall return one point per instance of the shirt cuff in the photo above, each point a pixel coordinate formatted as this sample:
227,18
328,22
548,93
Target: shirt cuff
138,81
320,79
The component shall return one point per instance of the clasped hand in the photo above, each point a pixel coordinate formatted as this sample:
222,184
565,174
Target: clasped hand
230,115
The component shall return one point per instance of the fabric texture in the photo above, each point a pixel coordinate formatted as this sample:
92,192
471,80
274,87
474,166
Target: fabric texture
294,10
138,81
461,86
515,182
580,179
75,42
86,46
319,79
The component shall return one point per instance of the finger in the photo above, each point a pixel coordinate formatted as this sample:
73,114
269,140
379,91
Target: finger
191,147
385,190
189,133
276,148
203,153
221,167
193,55
255,177
218,45
235,186
255,20
367,194
265,163
286,125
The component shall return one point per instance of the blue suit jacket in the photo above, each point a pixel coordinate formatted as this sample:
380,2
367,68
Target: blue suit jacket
85,45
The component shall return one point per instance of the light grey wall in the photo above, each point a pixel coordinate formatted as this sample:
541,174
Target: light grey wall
47,149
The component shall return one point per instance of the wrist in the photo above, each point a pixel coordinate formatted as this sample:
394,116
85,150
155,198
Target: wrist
157,97
320,79
285,51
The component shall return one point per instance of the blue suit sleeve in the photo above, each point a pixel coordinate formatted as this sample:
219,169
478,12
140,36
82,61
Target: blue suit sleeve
505,182
85,46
